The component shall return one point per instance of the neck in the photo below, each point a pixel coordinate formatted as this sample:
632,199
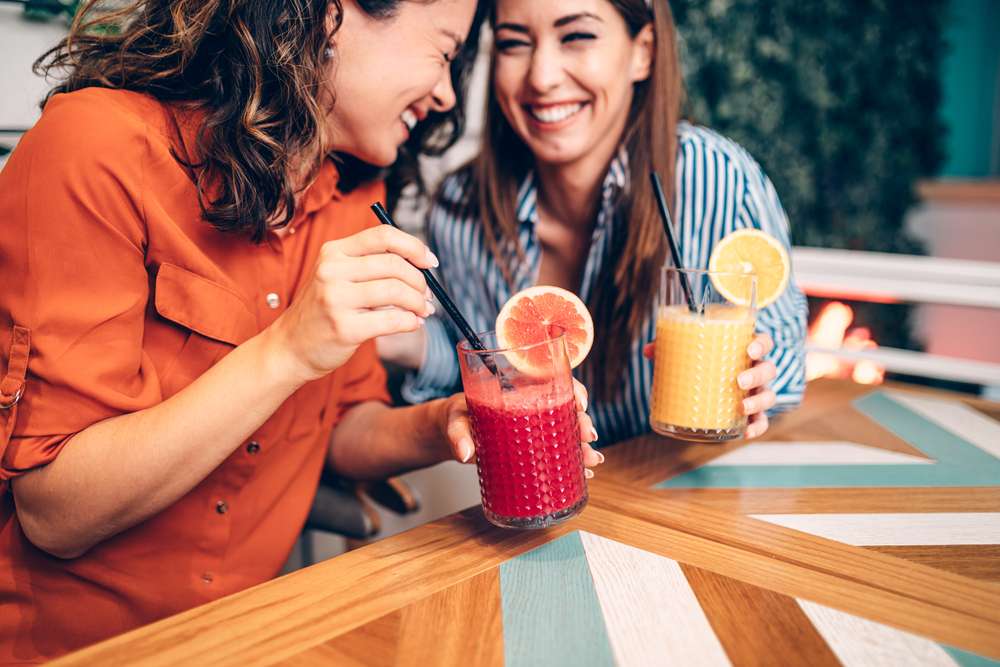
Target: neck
569,193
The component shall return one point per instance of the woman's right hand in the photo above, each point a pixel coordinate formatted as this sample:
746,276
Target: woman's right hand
363,286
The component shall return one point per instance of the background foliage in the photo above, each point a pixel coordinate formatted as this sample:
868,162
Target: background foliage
839,102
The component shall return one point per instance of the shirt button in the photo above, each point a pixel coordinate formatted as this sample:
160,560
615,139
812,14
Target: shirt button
253,447
207,578
221,507
273,300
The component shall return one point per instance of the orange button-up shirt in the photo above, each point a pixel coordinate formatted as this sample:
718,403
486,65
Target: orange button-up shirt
117,295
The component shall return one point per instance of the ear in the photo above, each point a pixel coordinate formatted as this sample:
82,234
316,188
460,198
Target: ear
643,47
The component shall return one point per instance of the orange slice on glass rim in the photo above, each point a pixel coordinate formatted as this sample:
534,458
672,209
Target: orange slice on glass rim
541,313
750,251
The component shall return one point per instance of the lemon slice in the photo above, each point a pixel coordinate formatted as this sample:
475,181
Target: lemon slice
750,251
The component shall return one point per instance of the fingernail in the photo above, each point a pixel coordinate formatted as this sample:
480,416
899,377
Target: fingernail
430,309
432,259
747,407
754,350
428,294
588,473
465,450
421,321
593,435
600,456
744,381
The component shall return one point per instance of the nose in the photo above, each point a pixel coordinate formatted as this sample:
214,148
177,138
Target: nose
443,94
545,70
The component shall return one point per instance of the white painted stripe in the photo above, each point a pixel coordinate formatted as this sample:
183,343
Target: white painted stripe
956,417
813,453
858,642
945,528
650,611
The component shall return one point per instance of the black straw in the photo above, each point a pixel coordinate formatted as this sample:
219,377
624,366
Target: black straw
439,292
675,250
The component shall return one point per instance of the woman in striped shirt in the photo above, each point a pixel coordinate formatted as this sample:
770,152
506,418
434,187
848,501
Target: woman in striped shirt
584,101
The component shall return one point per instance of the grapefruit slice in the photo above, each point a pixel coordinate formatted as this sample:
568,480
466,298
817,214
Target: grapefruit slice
750,251
541,313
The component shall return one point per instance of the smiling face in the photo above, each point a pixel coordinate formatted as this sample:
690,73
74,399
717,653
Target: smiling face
389,73
563,75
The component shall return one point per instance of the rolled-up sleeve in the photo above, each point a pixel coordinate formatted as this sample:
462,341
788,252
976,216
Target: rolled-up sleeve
75,252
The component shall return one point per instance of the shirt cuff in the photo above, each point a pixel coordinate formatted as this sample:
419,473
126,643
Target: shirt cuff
438,374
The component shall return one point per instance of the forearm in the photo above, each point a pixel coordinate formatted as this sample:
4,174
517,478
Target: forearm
119,472
374,441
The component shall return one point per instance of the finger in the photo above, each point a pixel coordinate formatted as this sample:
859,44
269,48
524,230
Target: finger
757,426
460,436
580,392
649,350
588,433
384,238
374,323
390,292
760,346
591,457
761,402
758,375
387,265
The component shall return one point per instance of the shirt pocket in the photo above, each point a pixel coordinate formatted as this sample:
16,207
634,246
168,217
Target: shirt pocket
213,317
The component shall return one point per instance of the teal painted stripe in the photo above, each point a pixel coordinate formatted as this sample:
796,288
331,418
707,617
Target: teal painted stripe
831,476
966,659
551,614
960,463
936,442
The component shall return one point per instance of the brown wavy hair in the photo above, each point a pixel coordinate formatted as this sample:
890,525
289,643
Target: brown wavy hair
254,68
626,288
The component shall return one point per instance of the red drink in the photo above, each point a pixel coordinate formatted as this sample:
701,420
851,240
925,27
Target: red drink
529,459
527,438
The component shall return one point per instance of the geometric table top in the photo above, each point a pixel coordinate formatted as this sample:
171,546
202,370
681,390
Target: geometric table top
744,553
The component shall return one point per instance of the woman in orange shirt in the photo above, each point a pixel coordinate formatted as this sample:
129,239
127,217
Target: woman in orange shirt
191,280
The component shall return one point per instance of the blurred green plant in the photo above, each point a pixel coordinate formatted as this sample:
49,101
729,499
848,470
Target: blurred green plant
839,102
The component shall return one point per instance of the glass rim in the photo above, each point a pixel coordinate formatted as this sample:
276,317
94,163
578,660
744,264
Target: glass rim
707,272
465,347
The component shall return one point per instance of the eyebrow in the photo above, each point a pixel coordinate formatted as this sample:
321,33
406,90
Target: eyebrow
558,23
458,40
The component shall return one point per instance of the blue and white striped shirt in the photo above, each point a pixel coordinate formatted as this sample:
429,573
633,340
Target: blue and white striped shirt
719,188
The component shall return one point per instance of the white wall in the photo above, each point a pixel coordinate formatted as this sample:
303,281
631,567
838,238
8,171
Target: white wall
21,42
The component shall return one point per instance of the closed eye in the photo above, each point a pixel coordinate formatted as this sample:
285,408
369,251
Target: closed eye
577,36
507,45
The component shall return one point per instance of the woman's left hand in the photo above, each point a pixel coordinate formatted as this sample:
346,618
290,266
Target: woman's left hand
756,381
459,431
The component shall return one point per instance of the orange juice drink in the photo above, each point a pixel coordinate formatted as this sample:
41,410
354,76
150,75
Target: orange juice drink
700,351
698,358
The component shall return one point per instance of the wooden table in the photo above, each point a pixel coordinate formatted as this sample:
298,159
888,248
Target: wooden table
863,530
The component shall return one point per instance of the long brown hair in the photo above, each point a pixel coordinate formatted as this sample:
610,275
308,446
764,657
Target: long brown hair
627,287
255,69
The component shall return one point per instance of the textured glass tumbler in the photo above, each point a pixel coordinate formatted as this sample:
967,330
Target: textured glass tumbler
524,423
699,355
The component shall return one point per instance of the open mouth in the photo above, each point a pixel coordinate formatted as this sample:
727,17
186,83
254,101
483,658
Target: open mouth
409,119
551,114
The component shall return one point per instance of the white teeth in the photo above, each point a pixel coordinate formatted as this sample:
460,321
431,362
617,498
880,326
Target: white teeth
410,119
556,113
